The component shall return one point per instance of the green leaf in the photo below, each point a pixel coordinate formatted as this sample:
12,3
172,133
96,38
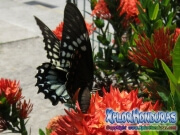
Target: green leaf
99,54
144,3
2,99
170,75
163,96
156,64
134,29
115,58
108,37
170,19
149,133
170,103
41,132
176,60
121,56
103,40
48,131
158,24
153,11
99,23
142,16
165,2
93,4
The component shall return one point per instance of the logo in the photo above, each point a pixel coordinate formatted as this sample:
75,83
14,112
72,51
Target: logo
137,120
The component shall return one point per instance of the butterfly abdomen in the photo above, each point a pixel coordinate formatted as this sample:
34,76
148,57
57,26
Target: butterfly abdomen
84,99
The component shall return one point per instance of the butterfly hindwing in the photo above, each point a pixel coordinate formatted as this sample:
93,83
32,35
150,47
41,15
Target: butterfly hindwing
51,82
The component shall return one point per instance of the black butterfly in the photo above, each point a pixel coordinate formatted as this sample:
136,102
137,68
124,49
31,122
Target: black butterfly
71,64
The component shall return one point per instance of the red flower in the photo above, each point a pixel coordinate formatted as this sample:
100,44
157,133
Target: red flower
129,8
90,28
11,90
3,124
59,29
101,10
54,133
176,34
24,109
93,123
147,50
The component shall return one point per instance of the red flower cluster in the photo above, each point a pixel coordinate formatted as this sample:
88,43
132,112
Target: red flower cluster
3,124
24,109
93,123
129,8
176,34
90,28
147,50
59,29
101,10
11,90
11,101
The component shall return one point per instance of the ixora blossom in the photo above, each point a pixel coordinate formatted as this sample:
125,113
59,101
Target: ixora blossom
58,30
93,123
126,7
100,10
3,124
11,90
148,49
129,8
176,34
13,108
24,109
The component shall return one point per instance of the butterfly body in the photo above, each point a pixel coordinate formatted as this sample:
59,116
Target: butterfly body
71,65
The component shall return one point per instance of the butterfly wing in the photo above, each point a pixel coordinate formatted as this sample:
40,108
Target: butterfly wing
73,54
51,82
76,37
52,44
51,77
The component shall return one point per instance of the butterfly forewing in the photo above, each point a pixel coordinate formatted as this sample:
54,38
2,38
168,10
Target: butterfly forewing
76,37
52,44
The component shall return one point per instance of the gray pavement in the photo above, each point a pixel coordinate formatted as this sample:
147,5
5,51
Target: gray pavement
21,50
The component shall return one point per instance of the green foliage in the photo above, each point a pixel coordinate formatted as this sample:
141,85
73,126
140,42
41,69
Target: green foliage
10,113
99,23
174,78
41,132
176,61
149,133
155,14
93,3
112,58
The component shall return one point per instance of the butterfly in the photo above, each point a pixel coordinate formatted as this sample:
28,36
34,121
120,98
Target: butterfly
69,74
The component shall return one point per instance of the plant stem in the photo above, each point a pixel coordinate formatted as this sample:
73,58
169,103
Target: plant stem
23,127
